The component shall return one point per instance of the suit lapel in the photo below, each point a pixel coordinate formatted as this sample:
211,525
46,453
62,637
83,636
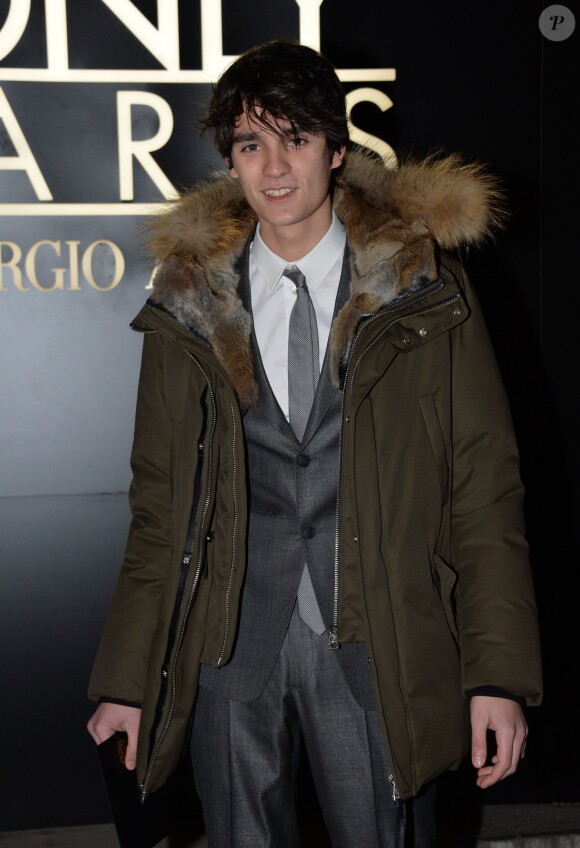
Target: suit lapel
266,397
325,391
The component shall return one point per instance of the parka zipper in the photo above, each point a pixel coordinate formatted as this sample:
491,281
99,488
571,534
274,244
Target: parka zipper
333,632
186,558
234,538
333,640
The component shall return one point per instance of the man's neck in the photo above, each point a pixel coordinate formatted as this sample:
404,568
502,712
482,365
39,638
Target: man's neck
295,240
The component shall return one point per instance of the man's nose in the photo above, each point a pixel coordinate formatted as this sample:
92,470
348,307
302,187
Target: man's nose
276,163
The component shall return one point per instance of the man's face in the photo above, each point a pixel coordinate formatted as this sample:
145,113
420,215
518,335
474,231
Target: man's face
285,179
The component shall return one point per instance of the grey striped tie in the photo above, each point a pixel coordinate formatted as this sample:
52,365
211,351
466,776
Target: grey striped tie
303,362
303,374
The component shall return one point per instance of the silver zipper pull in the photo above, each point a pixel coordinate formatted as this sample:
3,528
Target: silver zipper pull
333,639
396,796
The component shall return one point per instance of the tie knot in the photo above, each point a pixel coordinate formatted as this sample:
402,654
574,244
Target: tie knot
295,274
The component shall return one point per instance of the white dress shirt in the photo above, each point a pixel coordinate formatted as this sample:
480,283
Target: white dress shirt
273,296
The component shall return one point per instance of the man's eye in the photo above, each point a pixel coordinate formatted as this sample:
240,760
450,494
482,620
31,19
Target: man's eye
296,142
249,148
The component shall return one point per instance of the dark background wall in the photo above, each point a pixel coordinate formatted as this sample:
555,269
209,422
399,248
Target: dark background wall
478,78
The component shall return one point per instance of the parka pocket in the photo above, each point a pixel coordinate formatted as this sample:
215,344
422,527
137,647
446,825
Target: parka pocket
445,579
435,433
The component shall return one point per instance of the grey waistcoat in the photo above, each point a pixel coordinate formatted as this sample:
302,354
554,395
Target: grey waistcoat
292,520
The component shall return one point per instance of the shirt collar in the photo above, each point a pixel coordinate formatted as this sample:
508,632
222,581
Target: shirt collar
315,265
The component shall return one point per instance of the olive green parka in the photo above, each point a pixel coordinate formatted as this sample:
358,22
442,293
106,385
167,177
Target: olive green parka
431,562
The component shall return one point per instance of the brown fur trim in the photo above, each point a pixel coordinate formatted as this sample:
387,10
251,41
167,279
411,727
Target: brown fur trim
459,203
209,223
197,240
407,270
209,305
394,218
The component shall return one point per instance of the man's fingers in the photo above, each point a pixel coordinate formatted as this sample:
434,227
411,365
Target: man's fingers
108,718
505,718
92,731
519,745
500,768
478,744
505,755
131,753
518,742
100,731
510,742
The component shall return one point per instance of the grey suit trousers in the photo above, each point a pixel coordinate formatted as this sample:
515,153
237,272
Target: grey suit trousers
245,756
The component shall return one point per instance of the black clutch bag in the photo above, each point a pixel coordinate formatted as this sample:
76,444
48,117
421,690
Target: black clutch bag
173,809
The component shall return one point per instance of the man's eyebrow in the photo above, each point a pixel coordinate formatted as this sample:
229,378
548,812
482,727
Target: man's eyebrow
243,138
289,132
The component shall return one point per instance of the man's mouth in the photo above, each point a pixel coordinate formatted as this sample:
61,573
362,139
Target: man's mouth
278,192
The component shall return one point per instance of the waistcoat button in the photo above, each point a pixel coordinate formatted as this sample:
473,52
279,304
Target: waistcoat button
308,533
303,460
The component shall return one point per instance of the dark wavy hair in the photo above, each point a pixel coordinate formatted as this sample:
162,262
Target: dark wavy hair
279,81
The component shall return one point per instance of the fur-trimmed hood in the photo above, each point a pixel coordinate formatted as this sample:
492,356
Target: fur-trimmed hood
395,221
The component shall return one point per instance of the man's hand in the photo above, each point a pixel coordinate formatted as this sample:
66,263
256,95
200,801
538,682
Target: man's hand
507,721
108,718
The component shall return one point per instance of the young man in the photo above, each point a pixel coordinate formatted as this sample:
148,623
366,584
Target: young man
327,540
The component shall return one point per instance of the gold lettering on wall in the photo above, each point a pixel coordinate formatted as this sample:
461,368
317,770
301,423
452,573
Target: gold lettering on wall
87,265
24,159
73,248
141,150
102,264
14,25
359,136
12,263
162,43
30,267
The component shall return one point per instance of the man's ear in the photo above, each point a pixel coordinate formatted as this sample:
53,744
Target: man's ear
231,169
337,157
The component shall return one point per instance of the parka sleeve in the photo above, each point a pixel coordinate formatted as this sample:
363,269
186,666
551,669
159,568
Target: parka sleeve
120,667
495,599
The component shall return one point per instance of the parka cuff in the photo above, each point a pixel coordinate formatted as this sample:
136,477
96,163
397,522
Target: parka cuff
495,692
105,700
